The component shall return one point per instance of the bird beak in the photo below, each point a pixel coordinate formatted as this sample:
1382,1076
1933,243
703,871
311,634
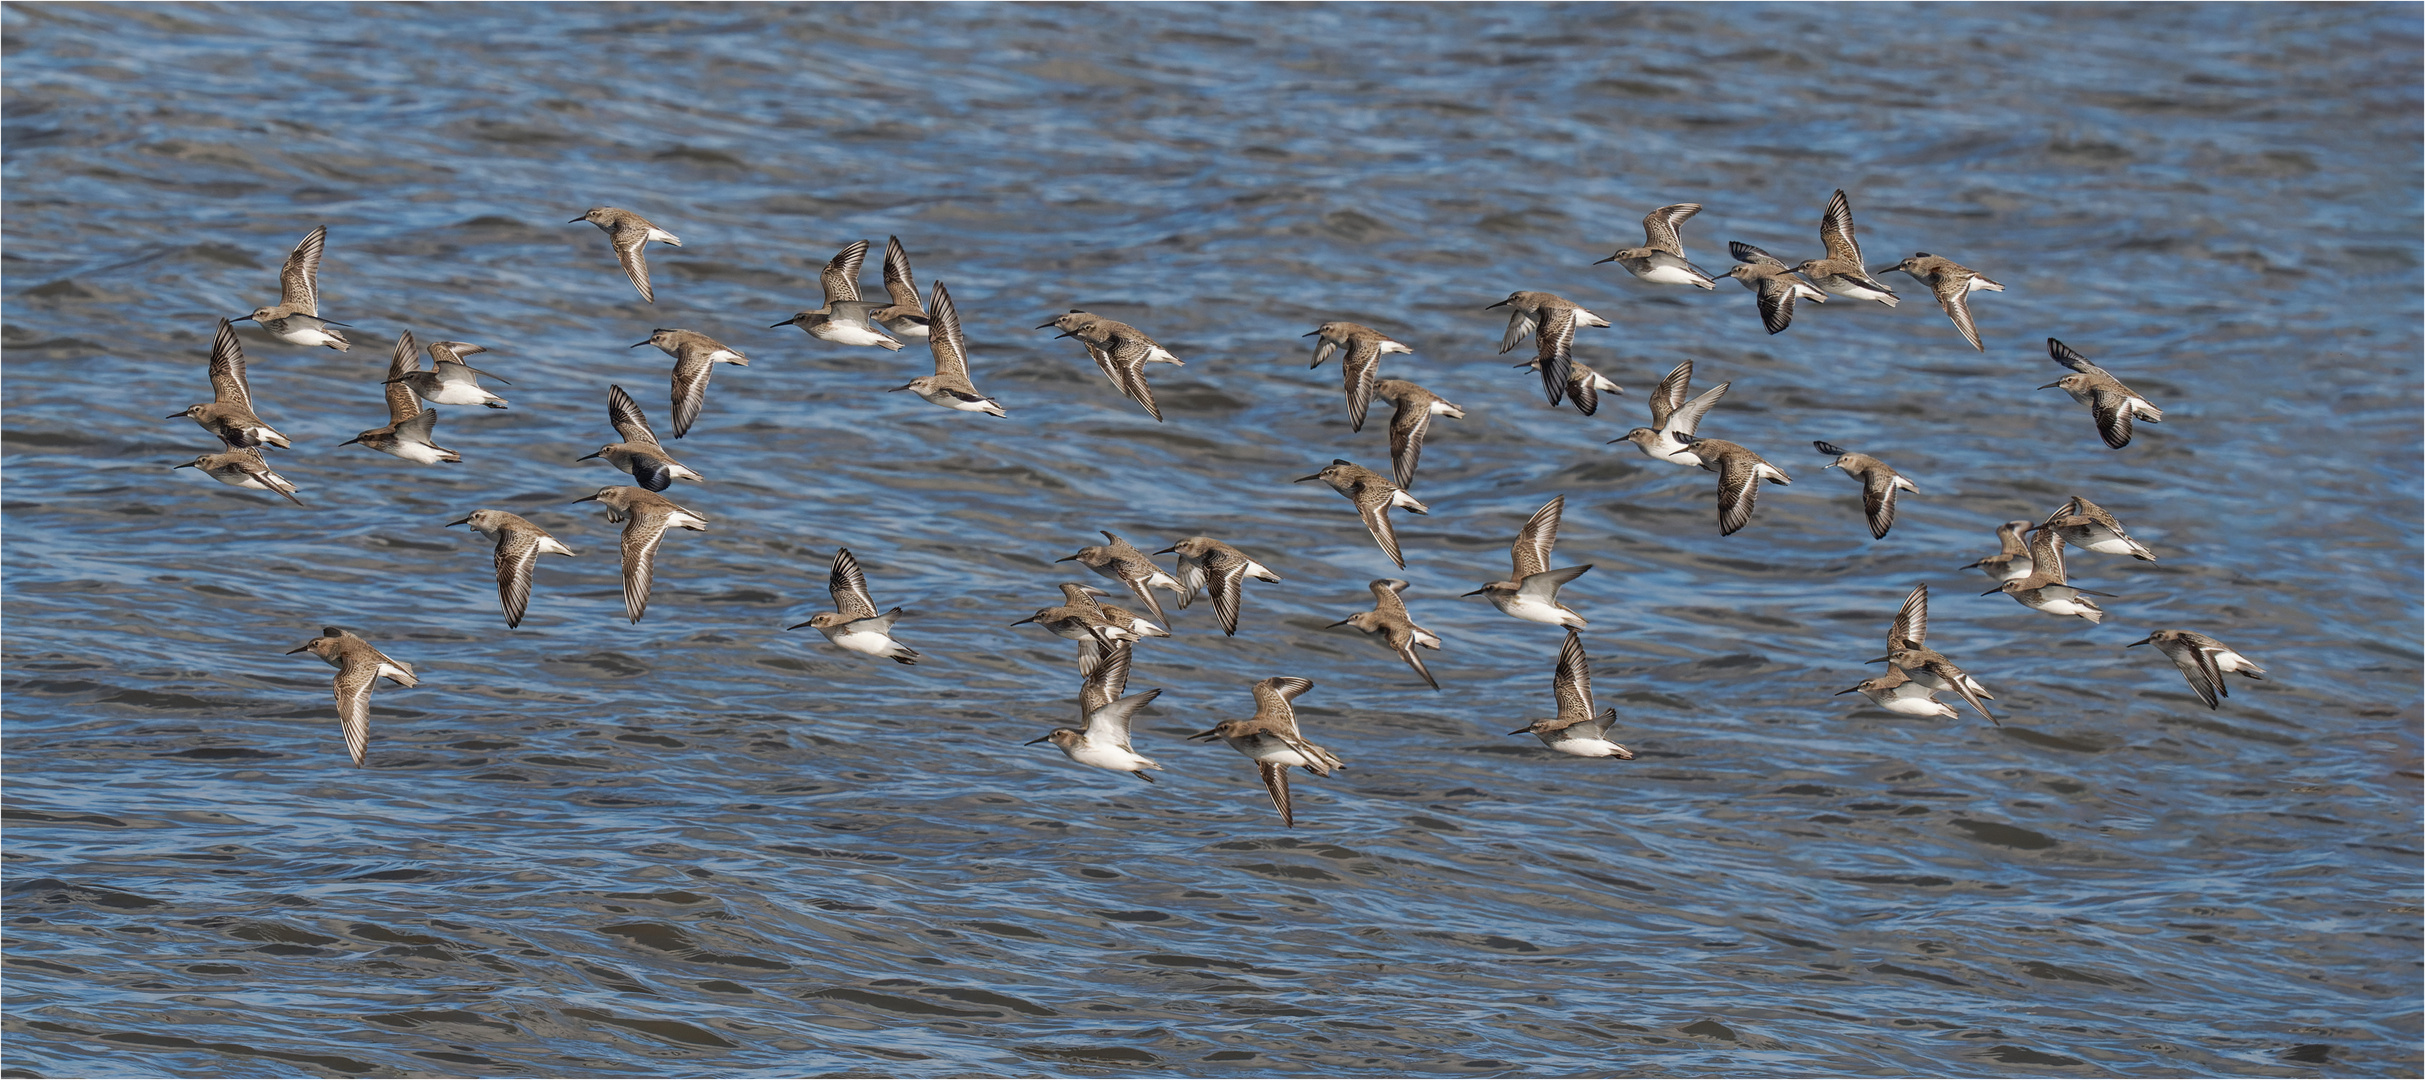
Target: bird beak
1025,621
1340,623
586,457
1049,325
2141,641
795,627
1302,479
1476,592
1066,558
1527,729
1500,304
187,465
172,416
1209,734
466,521
637,344
1993,591
583,217
2050,386
1841,693
898,389
298,648
1057,337
1034,741
1879,660
585,498
786,322
1168,550
1309,334
1609,259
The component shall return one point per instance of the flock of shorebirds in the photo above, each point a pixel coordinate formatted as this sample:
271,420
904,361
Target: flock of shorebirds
2029,566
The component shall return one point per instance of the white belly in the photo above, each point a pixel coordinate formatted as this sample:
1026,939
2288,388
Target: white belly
1915,703
1588,747
850,334
461,394
307,336
1530,609
1659,272
862,641
1110,757
1860,293
418,453
1266,748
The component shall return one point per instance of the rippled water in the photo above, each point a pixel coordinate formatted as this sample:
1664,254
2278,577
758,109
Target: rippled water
705,845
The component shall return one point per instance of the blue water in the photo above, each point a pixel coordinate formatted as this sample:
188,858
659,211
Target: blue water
706,845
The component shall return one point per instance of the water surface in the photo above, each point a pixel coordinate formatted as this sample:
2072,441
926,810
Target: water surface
704,845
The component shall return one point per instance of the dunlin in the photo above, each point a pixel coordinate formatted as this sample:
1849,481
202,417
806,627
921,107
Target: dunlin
629,232
1389,619
639,454
359,667
1122,562
1076,594
1083,623
1105,715
949,385
1671,415
1373,495
1953,283
1583,385
2011,562
1578,729
1660,260
1841,270
1895,692
695,357
1412,420
1361,367
1120,350
646,516
1555,319
229,413
519,545
2113,404
245,469
905,317
1739,474
1531,592
845,319
450,381
296,318
854,623
1879,482
1907,650
410,428
1272,739
1775,283
2046,589
2203,661
1125,355
1221,571
2086,525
